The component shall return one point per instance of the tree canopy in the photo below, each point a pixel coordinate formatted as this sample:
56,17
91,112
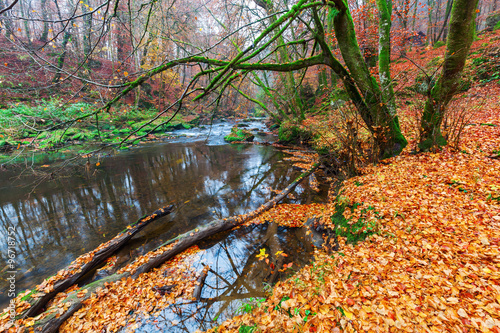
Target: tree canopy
215,55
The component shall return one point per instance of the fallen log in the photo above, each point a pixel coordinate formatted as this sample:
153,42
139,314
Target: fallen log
84,264
53,318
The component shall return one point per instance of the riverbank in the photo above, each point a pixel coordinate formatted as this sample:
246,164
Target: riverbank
432,262
54,132
50,125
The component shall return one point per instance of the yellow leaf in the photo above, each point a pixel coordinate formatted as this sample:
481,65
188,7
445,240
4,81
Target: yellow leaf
348,314
262,254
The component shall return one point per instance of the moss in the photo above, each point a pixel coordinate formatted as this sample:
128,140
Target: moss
78,137
354,231
427,144
238,134
70,132
438,44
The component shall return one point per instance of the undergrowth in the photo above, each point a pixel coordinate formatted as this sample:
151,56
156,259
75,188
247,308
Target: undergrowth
355,230
50,124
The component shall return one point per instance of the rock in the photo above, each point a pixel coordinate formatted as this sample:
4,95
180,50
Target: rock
238,134
492,20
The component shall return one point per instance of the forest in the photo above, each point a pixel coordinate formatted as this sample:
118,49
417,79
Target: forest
250,166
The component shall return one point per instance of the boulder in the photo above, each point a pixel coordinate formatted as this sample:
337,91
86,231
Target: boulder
239,134
492,20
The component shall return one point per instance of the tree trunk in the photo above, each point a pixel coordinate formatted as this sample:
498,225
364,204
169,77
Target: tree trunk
87,28
62,56
461,35
51,323
384,62
5,19
25,13
97,257
430,9
377,114
45,32
66,39
449,5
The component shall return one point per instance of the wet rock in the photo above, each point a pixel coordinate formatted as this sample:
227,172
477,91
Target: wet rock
238,134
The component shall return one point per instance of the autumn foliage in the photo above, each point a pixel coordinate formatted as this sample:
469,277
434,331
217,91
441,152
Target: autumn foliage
434,263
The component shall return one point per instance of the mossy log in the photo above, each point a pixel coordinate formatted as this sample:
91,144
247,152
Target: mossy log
97,258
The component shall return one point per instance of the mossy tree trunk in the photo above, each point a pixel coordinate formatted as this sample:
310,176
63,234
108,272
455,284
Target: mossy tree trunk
379,112
25,13
87,28
460,37
45,32
384,54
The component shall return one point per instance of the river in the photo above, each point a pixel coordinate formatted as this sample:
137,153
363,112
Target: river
55,221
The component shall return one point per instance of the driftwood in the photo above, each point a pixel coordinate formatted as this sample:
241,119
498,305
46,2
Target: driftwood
54,319
105,251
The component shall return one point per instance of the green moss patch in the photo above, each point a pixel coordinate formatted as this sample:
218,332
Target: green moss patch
239,134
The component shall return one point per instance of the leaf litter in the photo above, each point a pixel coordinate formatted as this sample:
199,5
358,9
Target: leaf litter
434,263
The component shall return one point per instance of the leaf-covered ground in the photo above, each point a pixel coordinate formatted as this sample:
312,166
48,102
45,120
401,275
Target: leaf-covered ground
434,263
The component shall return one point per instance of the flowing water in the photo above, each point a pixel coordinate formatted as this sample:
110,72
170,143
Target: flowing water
55,221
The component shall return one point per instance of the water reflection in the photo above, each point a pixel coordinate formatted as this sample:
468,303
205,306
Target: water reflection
236,277
61,219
